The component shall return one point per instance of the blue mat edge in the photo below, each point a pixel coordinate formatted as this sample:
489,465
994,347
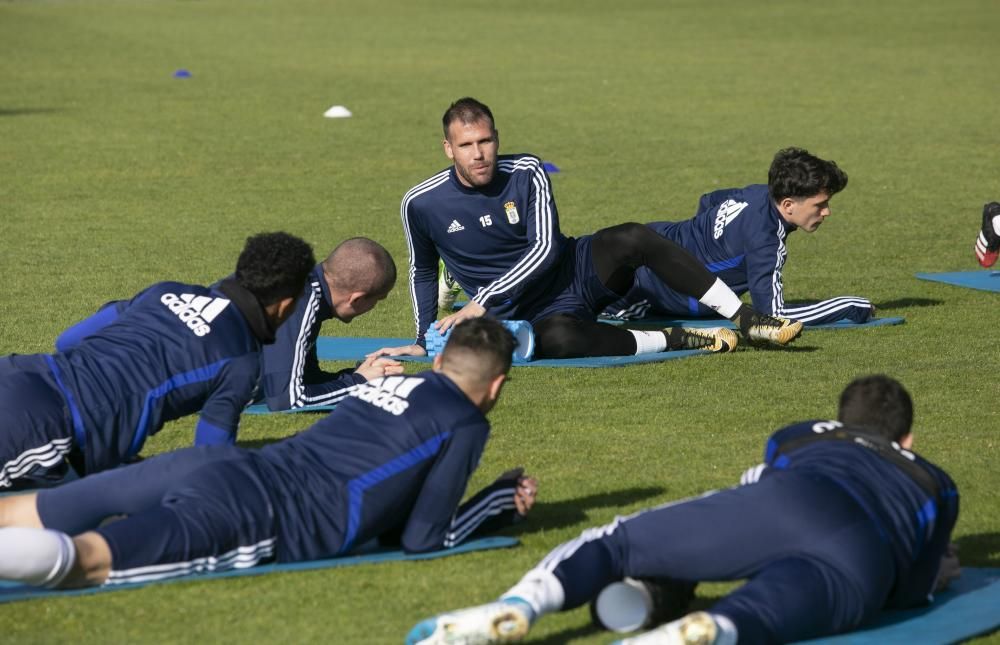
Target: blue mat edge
12,592
261,408
331,348
898,626
716,322
975,279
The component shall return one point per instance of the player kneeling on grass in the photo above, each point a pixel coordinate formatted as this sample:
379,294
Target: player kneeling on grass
392,462
839,522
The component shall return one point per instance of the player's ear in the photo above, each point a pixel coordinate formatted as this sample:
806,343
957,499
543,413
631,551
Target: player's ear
283,309
354,298
906,443
436,363
447,149
496,385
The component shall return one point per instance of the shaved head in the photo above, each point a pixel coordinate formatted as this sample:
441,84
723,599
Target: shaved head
361,265
478,350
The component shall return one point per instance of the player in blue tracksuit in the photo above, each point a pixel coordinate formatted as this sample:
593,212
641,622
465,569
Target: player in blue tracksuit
740,233
392,462
841,521
493,221
355,277
173,350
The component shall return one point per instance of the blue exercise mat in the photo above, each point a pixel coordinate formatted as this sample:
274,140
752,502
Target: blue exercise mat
981,280
718,322
261,408
970,607
11,591
353,349
340,349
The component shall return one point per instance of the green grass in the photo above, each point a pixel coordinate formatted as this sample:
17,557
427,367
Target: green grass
113,175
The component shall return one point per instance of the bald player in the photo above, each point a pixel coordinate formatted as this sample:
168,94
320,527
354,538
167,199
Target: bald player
356,276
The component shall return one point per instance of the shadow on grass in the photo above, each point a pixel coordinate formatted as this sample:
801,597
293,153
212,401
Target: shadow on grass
906,303
567,635
898,303
787,348
254,444
26,111
979,550
554,515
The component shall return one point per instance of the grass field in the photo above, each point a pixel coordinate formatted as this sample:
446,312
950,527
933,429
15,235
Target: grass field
114,174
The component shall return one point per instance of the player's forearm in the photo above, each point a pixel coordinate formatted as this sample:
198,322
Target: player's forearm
532,268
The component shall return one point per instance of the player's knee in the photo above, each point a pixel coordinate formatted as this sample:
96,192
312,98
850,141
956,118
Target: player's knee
559,337
93,562
628,242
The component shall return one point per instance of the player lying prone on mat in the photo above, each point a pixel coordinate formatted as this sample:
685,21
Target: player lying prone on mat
839,522
175,350
357,275
393,460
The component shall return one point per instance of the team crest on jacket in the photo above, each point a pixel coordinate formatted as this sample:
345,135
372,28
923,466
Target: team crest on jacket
511,209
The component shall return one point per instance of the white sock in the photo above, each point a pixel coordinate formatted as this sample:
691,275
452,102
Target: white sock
539,588
649,342
727,634
721,299
39,557
996,225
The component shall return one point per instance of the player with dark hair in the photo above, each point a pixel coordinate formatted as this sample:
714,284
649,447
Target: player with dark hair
173,350
391,462
840,521
493,221
988,242
739,234
357,275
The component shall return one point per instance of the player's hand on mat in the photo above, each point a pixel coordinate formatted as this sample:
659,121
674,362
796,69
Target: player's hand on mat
375,366
949,568
472,309
524,497
402,350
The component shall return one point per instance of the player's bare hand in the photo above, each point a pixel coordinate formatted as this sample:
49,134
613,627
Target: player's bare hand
403,350
949,569
472,309
374,367
527,492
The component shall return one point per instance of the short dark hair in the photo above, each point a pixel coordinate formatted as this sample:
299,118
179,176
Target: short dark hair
485,337
467,110
796,173
361,264
274,266
879,404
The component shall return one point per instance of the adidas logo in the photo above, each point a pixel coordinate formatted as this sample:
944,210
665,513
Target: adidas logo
388,392
455,226
195,311
727,212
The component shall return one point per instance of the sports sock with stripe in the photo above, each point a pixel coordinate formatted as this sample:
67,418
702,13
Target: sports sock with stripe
39,557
